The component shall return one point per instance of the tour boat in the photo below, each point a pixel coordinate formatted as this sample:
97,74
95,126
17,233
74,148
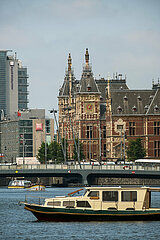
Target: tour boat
99,204
17,183
36,187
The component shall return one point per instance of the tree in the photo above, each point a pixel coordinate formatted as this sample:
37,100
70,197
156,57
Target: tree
135,150
80,149
54,152
41,153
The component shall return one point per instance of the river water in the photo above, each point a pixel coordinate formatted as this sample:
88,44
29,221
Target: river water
17,223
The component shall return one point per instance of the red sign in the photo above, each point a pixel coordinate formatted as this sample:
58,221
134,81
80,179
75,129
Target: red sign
39,126
18,114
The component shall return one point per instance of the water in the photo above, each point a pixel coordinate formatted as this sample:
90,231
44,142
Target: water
17,223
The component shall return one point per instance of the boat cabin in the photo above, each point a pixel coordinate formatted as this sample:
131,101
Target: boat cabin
106,198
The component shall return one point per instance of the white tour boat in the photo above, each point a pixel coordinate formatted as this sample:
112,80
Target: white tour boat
17,183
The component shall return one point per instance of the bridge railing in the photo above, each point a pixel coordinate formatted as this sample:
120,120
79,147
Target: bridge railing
77,167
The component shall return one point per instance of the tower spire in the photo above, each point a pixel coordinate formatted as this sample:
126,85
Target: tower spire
69,62
87,57
108,89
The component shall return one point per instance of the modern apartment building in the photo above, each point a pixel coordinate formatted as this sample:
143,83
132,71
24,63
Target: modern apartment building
13,84
22,135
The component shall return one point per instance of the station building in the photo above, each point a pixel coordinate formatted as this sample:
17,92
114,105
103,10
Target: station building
104,114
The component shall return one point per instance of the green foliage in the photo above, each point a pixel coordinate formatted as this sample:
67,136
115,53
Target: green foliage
54,152
135,150
80,148
41,153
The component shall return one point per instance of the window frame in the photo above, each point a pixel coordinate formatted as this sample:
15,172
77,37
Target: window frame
132,128
131,196
111,199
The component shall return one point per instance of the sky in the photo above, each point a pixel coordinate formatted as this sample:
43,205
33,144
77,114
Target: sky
122,36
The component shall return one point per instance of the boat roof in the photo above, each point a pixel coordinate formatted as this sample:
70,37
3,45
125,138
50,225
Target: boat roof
152,189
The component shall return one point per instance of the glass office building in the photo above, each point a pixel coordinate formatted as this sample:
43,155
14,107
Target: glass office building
22,88
13,84
25,138
3,79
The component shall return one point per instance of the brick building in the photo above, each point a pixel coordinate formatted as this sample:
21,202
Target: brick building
104,114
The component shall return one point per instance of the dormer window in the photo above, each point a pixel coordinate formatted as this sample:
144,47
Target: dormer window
146,108
78,87
151,97
88,88
119,109
134,109
125,98
156,108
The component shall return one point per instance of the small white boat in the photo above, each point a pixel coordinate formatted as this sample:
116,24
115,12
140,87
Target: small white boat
36,187
19,183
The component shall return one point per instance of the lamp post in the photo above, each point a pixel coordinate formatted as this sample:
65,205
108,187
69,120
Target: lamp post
100,151
1,147
68,109
123,152
45,150
90,127
124,147
64,154
121,144
23,147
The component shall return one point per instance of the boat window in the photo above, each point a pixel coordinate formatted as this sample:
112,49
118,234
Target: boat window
69,203
129,196
93,194
83,204
54,203
27,184
110,196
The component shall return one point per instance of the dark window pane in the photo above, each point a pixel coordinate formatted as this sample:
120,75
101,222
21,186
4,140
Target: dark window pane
129,196
110,196
83,204
93,194
68,203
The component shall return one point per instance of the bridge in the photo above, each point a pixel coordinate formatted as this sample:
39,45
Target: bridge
85,173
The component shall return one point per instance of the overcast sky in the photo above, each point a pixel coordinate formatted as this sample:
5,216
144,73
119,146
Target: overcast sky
122,36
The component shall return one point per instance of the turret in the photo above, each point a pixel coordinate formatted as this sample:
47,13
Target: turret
69,63
87,57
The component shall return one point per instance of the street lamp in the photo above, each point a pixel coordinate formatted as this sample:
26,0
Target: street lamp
64,154
68,109
124,144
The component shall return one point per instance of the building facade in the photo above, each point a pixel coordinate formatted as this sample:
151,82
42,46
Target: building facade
22,87
13,84
105,114
22,136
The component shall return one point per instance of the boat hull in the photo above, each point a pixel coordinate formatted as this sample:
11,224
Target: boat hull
36,188
68,215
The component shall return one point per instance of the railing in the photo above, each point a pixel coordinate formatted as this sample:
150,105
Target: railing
34,199
77,167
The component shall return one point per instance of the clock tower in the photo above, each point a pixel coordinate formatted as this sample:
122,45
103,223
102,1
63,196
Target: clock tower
88,112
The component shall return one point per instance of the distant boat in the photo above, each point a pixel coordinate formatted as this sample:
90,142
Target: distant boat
17,183
36,187
99,204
